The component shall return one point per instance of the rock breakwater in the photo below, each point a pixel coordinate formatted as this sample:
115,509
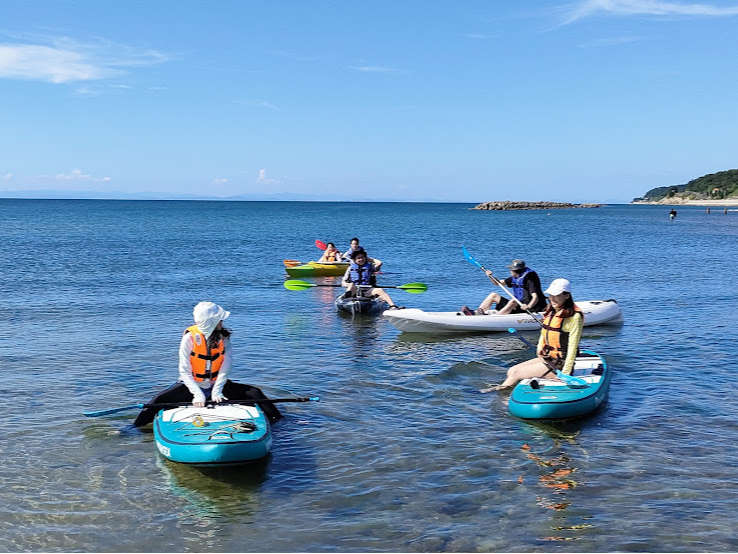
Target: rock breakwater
508,205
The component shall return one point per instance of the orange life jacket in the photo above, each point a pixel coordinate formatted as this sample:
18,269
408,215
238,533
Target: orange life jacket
201,354
555,340
332,256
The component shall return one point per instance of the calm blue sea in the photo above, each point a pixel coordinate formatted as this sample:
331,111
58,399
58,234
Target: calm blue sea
402,453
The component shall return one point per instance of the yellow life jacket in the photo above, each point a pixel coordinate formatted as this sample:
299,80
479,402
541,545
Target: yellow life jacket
201,354
555,340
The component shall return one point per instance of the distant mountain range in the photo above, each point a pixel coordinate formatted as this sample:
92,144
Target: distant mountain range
279,197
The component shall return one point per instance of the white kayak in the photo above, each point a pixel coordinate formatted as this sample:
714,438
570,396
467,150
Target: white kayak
596,312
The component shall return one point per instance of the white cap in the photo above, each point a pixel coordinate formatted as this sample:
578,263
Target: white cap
558,286
207,316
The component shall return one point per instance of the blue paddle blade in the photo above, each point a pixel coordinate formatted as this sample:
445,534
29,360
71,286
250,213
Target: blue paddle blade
470,258
572,381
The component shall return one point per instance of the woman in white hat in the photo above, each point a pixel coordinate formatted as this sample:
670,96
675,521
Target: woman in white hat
204,364
558,345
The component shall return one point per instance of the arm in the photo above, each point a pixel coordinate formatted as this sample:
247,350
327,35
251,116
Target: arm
377,264
574,327
185,371
225,369
346,281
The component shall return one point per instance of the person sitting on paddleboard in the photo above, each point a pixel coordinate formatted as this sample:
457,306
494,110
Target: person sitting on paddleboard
360,279
205,360
525,285
558,344
331,254
353,248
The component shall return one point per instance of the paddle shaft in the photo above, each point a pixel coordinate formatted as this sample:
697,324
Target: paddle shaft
179,404
550,367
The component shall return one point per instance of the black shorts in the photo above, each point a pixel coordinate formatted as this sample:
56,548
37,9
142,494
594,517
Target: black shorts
504,302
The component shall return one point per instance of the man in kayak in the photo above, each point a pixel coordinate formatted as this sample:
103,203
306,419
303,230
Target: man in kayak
525,286
205,359
558,344
360,279
353,248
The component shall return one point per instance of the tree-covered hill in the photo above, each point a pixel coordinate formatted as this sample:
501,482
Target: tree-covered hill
716,186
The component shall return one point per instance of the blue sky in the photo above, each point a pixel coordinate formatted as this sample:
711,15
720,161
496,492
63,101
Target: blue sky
470,101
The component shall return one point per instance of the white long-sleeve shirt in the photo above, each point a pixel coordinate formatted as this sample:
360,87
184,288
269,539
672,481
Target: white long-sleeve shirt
185,370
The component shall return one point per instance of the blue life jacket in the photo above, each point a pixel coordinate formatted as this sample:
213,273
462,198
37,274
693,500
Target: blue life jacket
517,284
362,274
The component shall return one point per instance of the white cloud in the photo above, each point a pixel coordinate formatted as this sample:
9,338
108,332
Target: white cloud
66,60
257,103
374,68
77,175
646,7
609,42
218,181
262,179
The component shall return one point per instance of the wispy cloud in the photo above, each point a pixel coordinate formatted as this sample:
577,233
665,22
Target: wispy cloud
373,68
294,56
645,7
77,175
7,176
218,181
609,42
478,36
64,60
257,103
262,179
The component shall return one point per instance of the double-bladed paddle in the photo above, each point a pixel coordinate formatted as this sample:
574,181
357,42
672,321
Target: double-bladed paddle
571,381
296,284
472,260
181,404
320,244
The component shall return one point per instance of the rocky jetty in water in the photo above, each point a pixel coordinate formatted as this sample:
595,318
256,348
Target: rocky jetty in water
508,205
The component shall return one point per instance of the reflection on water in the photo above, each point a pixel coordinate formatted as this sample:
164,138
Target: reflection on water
230,492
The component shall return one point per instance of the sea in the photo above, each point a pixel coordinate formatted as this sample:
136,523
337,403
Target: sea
402,453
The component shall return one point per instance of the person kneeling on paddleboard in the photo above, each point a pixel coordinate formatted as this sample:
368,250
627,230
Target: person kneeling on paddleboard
526,287
204,365
558,344
360,279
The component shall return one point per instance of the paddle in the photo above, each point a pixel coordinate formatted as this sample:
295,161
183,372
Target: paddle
320,244
471,259
291,263
296,284
571,381
178,404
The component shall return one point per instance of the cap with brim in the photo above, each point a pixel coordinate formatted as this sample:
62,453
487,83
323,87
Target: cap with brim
557,287
516,265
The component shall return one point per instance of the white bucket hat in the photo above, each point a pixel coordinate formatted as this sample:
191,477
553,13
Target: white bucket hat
558,286
207,315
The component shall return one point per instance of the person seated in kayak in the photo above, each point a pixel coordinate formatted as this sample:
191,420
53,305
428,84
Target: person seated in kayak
205,360
331,254
360,279
525,286
356,246
558,345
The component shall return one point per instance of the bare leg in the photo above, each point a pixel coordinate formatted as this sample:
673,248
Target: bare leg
492,298
530,368
382,295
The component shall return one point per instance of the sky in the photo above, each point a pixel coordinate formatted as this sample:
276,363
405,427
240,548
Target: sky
435,100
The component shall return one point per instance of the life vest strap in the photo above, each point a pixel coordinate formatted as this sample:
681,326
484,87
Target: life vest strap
205,356
210,376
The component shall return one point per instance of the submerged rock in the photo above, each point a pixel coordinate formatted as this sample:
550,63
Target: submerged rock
508,205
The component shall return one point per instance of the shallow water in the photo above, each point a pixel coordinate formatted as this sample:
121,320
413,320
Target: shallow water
402,453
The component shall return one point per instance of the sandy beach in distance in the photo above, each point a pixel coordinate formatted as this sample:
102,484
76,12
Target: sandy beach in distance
727,202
